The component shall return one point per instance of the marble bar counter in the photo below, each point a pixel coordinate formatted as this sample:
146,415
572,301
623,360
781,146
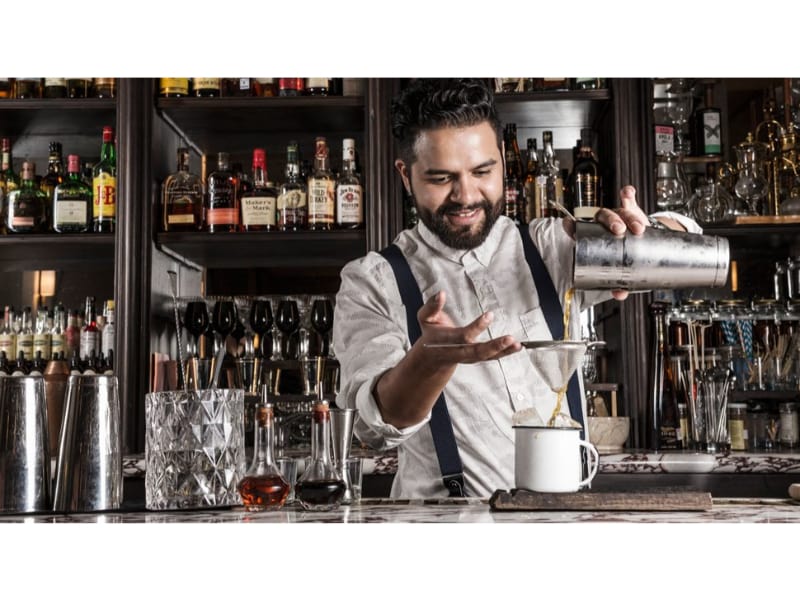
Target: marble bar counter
457,510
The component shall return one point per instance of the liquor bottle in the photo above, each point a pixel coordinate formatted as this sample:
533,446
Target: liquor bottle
291,86
707,127
292,200
512,185
173,87
259,204
38,364
551,84
41,334
104,186
109,333
58,333
108,366
316,86
266,87
7,175
238,86
664,401
320,487
86,173
75,365
55,171
26,207
28,87
72,334
263,487
585,181
182,197
222,204
90,334
532,209
6,88
321,190
549,184
20,366
72,201
206,87
80,87
8,337
588,83
349,191
55,87
241,181
25,335
5,368
105,87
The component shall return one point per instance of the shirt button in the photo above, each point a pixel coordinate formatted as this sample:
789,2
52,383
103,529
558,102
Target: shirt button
520,396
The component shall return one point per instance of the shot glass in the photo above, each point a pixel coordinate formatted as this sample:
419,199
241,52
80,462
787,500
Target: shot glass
288,468
355,467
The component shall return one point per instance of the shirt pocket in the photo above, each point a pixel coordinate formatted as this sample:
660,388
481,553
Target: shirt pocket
534,326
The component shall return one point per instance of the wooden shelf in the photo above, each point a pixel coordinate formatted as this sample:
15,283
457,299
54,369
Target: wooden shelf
56,251
265,249
57,117
578,108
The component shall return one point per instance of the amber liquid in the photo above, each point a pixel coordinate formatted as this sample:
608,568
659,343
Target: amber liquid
560,393
267,492
320,495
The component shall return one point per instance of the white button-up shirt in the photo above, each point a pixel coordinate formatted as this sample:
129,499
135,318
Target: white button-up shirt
370,336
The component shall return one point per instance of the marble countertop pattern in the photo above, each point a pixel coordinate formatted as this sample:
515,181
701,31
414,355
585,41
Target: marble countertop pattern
457,510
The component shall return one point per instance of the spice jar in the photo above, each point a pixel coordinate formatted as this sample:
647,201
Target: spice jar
736,425
788,424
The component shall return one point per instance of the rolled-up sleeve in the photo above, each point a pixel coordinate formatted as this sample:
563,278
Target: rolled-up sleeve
369,337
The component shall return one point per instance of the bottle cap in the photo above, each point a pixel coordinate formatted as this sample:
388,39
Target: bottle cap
108,134
73,163
259,158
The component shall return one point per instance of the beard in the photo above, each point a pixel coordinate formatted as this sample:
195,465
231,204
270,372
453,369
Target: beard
462,238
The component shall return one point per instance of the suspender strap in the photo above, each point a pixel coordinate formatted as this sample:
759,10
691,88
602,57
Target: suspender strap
441,427
553,314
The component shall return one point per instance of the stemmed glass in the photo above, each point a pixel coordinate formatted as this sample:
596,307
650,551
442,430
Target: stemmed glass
195,319
322,321
287,319
223,319
261,321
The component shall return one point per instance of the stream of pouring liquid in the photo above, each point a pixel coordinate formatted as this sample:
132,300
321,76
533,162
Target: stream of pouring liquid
560,392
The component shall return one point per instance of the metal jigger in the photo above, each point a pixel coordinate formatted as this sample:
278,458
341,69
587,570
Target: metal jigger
342,420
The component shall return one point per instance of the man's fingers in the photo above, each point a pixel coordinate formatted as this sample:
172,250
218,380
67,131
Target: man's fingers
475,328
431,311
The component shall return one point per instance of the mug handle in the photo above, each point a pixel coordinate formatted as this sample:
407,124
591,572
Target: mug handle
594,462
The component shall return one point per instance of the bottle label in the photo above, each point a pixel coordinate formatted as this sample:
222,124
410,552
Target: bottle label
736,432
41,343
712,132
180,219
105,196
258,210
586,190
321,201
55,82
206,83
222,216
8,345
89,342
25,345
316,82
18,222
292,200
349,204
71,212
665,139
512,197
57,343
174,85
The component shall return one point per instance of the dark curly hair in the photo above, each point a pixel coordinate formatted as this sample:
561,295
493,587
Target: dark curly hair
435,103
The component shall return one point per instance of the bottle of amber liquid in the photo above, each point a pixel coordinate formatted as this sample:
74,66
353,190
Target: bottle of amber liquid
321,190
349,192
263,487
320,487
222,203
104,186
292,205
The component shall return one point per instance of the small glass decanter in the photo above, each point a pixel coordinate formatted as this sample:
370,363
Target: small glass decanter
320,487
263,487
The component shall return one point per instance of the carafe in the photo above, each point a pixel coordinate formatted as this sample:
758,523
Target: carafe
320,487
751,186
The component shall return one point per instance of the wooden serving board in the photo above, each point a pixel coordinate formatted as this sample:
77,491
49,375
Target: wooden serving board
652,500
765,220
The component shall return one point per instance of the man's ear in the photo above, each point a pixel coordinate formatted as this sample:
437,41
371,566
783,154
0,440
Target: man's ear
405,174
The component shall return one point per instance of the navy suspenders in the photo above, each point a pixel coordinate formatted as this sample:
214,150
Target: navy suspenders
441,427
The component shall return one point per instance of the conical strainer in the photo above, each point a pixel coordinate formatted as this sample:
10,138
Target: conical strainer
555,361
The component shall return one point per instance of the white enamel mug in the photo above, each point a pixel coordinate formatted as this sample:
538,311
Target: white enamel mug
548,459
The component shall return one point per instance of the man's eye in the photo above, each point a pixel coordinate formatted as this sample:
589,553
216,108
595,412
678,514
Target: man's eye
439,180
482,172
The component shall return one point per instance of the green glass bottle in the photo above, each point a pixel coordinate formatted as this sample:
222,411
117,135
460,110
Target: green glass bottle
104,186
72,201
26,207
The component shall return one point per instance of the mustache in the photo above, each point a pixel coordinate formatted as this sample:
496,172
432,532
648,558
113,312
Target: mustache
449,207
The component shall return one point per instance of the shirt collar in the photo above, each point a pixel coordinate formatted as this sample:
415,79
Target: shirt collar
483,253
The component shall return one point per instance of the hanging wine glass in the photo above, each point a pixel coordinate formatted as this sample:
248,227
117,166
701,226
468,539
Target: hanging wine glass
322,321
261,322
223,319
287,319
196,321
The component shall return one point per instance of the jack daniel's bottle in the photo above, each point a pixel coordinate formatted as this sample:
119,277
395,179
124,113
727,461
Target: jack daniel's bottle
664,401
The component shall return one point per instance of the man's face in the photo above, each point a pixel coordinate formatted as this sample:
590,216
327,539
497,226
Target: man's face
457,183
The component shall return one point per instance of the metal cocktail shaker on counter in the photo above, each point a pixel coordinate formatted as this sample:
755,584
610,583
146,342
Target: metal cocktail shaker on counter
657,259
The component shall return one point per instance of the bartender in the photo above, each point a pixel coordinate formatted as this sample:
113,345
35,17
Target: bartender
464,274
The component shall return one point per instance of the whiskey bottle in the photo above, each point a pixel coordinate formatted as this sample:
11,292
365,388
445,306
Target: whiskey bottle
585,181
28,87
707,127
80,87
263,487
349,191
664,401
105,87
55,171
90,333
532,209
182,197
321,190
26,207
25,335
104,186
588,83
6,88
206,87
238,86
291,86
222,208
55,87
512,185
8,178
173,87
316,86
58,337
72,201
41,335
266,87
259,204
8,337
292,200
